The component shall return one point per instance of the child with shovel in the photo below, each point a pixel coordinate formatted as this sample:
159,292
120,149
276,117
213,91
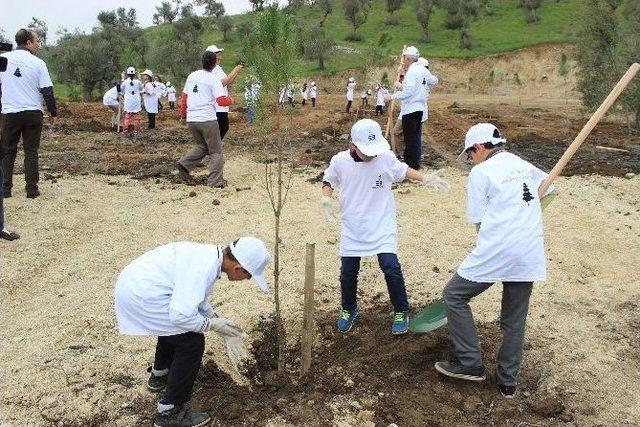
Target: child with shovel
364,173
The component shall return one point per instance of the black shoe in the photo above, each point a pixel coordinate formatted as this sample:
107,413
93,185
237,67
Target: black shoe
33,194
156,383
507,391
7,234
455,369
184,173
181,418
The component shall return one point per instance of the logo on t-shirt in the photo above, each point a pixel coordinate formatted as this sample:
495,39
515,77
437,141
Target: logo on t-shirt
379,183
17,73
195,89
526,194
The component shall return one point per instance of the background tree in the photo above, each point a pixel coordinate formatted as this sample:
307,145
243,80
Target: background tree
40,28
257,5
225,25
531,8
564,70
460,13
166,13
392,6
244,28
212,7
271,52
317,45
356,11
424,11
326,8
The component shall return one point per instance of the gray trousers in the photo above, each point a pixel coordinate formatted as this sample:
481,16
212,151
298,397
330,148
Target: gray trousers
513,315
206,135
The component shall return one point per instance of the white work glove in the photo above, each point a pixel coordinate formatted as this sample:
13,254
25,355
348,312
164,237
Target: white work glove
327,206
223,327
397,86
434,180
236,350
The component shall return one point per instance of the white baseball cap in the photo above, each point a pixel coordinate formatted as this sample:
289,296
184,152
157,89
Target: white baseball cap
168,83
253,256
213,48
313,83
479,134
351,79
423,61
131,70
411,51
148,72
366,134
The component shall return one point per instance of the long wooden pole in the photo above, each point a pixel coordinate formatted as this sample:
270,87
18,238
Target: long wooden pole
586,130
393,103
307,323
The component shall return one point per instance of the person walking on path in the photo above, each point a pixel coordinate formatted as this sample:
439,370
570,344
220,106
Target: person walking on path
203,93
150,96
165,293
5,233
364,174
222,111
25,86
503,203
132,88
380,93
161,91
313,93
171,95
304,92
111,100
351,88
412,105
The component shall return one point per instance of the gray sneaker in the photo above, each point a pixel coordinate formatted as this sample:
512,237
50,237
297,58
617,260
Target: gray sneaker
155,382
181,418
455,369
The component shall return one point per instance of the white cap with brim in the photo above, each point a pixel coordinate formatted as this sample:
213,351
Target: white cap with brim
253,256
148,72
411,51
366,134
131,70
479,134
213,48
423,61
351,79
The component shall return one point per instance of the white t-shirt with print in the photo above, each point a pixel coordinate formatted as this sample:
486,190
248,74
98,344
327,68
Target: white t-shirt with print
202,88
502,195
171,94
26,74
110,97
368,207
380,96
132,90
313,91
150,97
165,291
218,71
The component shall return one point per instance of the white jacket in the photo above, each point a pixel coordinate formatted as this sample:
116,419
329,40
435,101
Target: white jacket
413,95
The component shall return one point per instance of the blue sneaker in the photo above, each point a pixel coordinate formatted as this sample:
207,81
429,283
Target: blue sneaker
346,319
400,323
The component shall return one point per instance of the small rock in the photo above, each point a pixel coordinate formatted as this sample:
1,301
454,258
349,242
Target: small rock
404,191
395,374
192,194
629,175
349,382
305,134
215,202
344,137
355,405
436,269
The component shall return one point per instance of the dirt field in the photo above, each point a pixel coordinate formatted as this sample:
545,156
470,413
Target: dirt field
106,199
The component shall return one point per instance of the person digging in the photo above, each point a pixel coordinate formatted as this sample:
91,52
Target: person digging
502,201
165,293
364,174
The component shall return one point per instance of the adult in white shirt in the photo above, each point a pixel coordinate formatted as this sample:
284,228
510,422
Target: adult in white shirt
351,88
150,97
132,89
364,174
161,91
25,86
304,92
412,103
313,93
222,111
502,201
203,93
171,95
111,100
165,293
380,93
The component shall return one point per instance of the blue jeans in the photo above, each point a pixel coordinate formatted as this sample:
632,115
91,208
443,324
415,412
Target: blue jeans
392,275
250,117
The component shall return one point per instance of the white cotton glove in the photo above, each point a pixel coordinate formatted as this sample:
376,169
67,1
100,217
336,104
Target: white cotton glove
236,350
434,180
327,206
223,327
397,86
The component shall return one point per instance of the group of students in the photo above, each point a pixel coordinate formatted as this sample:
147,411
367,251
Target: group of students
131,94
307,91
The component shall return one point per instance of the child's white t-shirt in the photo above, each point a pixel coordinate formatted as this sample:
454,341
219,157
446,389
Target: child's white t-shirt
502,195
368,208
150,97
131,90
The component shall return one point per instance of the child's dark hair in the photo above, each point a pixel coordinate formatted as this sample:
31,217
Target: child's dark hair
228,254
209,61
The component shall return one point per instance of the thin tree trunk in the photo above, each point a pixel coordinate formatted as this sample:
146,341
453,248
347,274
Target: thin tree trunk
276,262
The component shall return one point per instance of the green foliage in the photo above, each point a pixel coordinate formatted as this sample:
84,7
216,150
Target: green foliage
40,28
356,11
165,13
393,6
325,7
178,51
118,18
225,25
212,7
531,7
257,5
317,45
244,28
424,11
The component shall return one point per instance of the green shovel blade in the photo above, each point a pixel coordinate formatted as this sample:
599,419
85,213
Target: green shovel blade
431,317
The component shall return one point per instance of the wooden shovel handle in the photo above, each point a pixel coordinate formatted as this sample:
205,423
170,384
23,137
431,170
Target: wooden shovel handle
586,130
393,101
